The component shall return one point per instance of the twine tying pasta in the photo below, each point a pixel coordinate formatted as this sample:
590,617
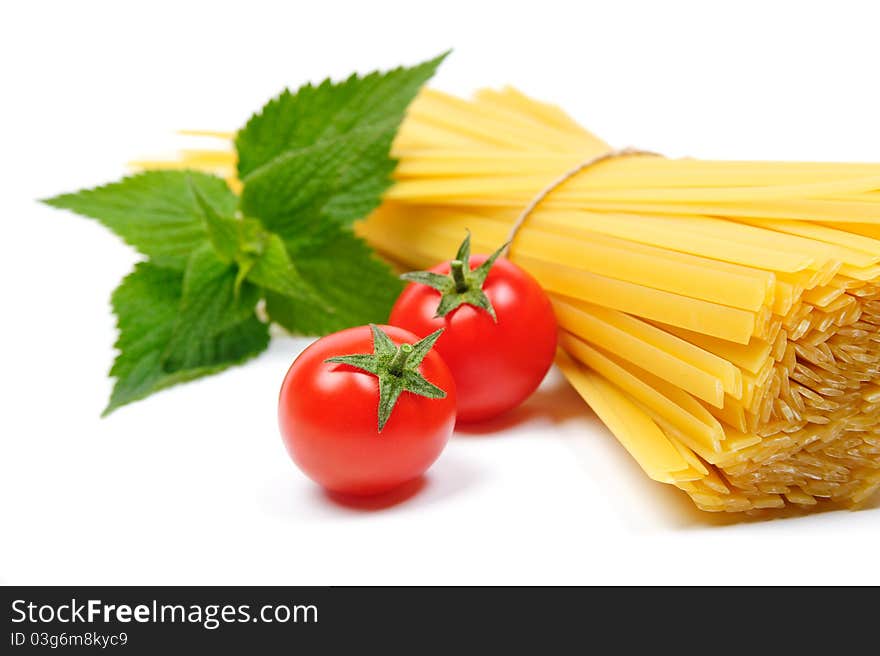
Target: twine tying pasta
565,177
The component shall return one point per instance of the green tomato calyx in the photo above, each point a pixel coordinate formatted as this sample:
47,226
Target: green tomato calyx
462,285
396,367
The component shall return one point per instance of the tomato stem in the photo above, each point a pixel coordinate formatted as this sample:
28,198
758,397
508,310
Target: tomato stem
458,277
398,362
396,367
461,286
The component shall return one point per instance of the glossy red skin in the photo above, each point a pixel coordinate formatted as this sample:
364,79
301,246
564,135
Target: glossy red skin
496,366
328,417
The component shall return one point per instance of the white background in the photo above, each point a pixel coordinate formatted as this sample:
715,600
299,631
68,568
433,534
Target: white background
193,485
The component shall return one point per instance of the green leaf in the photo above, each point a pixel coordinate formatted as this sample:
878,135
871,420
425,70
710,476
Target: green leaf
293,121
224,232
312,163
146,304
261,256
157,212
332,182
274,270
321,155
352,285
211,304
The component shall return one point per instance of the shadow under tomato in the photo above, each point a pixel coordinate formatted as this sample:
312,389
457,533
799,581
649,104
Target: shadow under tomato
290,496
555,402
375,502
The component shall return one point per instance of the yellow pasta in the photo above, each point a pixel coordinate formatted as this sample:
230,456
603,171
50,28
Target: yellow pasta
721,318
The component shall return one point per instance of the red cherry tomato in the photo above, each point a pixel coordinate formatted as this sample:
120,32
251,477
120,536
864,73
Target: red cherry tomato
496,366
328,414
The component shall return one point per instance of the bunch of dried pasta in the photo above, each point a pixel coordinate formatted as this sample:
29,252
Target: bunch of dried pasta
721,318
